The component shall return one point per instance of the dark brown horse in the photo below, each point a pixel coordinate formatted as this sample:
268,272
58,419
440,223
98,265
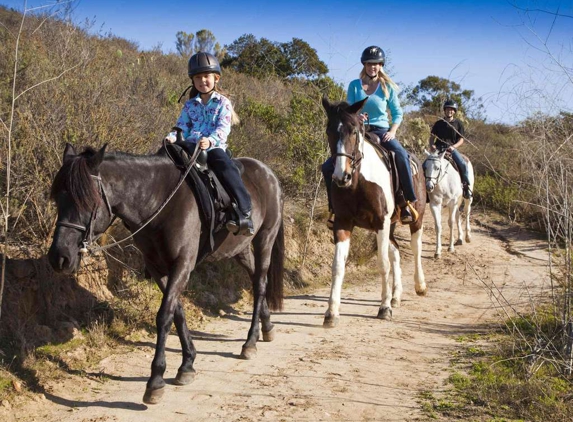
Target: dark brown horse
93,187
362,197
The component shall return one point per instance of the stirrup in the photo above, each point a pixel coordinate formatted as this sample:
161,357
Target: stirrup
242,225
408,214
466,191
330,221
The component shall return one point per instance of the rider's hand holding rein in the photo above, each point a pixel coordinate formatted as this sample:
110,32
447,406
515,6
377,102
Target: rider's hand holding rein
204,143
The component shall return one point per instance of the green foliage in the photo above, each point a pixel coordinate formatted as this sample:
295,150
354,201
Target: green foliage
263,58
203,40
497,193
431,93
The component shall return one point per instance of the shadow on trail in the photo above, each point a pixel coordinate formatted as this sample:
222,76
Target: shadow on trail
111,405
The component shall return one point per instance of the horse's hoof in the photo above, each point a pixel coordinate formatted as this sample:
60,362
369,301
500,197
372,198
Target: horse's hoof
421,291
184,378
330,321
395,303
248,353
153,396
452,250
459,242
385,313
269,335
468,239
437,255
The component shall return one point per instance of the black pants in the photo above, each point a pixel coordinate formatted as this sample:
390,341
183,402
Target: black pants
228,175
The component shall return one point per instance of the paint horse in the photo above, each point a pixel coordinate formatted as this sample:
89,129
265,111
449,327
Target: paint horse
444,187
362,196
92,188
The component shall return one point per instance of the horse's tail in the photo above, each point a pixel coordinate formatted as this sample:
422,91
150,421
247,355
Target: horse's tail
275,275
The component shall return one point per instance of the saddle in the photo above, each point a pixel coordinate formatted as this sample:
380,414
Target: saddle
448,156
215,204
388,158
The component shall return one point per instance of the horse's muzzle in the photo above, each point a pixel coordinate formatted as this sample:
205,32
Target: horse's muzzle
343,182
62,262
430,186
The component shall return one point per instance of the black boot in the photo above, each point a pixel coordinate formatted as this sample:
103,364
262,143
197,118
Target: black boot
467,193
242,225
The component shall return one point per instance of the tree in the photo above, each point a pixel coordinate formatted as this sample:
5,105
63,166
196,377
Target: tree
431,93
202,40
263,57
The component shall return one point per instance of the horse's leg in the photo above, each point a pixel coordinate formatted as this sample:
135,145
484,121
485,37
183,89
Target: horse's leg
186,373
394,256
260,308
468,207
383,237
341,249
453,214
436,209
416,231
169,305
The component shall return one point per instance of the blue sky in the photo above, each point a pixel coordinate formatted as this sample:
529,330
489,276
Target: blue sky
515,54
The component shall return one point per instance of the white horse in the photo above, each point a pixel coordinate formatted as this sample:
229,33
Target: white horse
444,187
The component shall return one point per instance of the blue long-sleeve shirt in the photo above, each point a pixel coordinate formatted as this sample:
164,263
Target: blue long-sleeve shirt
377,104
211,120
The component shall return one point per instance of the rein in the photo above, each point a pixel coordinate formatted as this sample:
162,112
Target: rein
87,240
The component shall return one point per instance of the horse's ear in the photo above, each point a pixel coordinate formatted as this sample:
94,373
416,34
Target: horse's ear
69,152
95,160
325,103
356,107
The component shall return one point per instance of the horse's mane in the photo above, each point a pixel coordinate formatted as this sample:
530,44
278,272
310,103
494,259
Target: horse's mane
75,178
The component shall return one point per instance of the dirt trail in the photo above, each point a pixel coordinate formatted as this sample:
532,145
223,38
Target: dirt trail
365,369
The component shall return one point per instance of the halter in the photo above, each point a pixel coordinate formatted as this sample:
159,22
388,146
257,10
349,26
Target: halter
88,230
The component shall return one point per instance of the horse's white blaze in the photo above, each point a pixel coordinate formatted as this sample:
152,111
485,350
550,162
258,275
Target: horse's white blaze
338,268
373,170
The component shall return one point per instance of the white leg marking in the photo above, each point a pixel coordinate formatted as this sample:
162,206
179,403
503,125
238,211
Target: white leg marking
338,269
383,238
419,277
394,255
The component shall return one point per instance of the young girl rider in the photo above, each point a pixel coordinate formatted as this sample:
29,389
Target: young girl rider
205,121
380,90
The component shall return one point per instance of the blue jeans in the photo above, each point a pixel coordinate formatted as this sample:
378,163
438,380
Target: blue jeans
402,164
459,160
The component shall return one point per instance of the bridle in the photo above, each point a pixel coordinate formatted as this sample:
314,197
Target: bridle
88,229
441,174
357,155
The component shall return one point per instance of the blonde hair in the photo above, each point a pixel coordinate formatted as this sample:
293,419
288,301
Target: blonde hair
383,78
235,120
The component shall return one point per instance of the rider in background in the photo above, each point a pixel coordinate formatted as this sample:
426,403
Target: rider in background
206,121
382,94
448,133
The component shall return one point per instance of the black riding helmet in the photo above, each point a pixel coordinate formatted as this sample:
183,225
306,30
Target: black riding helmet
373,54
451,104
203,62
